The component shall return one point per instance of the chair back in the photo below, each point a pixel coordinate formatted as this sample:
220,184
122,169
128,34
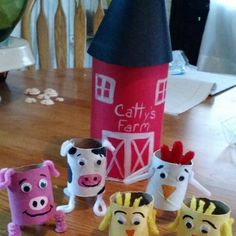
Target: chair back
44,37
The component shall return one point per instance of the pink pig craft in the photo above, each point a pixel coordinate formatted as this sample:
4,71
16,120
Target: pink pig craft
31,197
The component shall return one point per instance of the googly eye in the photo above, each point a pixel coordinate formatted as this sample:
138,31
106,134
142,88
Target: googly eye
43,183
136,220
163,175
121,219
26,187
99,161
181,178
82,162
189,224
204,229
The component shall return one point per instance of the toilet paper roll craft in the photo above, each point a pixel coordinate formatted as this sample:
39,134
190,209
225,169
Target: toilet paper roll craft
169,175
131,52
31,197
86,165
130,214
202,216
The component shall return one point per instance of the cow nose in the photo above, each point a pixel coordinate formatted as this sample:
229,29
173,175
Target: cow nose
38,203
91,180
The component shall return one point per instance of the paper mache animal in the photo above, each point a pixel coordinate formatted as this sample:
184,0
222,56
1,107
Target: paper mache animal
201,216
86,165
31,197
169,174
130,214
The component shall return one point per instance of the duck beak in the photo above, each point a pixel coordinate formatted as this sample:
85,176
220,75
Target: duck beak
167,190
130,232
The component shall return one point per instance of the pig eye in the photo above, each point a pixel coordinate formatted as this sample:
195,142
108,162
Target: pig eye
121,219
26,187
43,183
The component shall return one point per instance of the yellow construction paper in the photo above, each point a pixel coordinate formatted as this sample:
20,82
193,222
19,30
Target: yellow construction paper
208,217
125,218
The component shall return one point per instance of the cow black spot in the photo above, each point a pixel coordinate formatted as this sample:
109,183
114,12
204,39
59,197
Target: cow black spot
72,151
101,191
99,151
69,173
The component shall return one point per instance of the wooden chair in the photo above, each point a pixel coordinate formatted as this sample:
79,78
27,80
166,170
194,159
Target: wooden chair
60,33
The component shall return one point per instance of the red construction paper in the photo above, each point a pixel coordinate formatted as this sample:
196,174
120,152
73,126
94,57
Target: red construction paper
127,109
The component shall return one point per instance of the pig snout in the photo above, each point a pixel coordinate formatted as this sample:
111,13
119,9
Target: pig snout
91,180
38,203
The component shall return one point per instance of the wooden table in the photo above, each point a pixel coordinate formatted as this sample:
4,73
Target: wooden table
31,133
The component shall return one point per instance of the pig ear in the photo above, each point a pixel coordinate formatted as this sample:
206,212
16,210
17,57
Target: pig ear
107,144
5,177
52,168
65,147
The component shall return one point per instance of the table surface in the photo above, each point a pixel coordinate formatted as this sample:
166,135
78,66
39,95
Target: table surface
31,133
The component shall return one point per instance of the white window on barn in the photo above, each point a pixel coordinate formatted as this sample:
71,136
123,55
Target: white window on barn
104,88
160,91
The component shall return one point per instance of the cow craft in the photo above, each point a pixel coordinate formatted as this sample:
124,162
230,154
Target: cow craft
86,159
169,175
31,197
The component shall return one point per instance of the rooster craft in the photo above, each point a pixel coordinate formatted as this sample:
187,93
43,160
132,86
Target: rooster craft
201,216
169,175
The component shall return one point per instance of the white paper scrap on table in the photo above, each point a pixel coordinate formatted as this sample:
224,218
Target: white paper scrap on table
193,87
221,81
183,94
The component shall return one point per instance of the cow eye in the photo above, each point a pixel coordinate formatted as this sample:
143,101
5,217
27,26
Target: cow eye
99,161
26,187
82,162
43,183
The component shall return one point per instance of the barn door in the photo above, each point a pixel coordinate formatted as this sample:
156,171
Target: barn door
133,151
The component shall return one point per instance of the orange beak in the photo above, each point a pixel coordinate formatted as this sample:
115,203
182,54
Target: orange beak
167,190
130,232
194,234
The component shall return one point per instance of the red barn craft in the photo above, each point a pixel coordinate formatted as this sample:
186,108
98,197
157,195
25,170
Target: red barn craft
131,51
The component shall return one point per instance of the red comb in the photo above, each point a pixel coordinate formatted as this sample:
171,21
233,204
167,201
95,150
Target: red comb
176,154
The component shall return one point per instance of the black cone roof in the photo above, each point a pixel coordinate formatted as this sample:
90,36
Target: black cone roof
133,33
